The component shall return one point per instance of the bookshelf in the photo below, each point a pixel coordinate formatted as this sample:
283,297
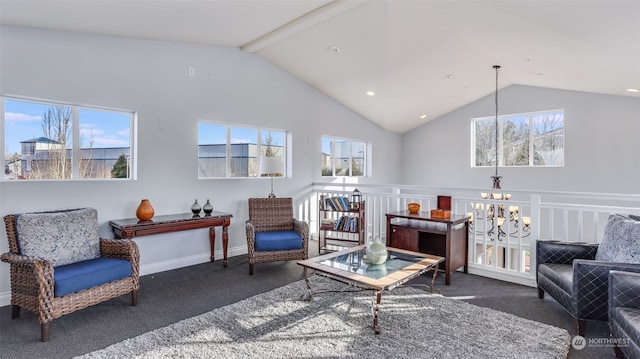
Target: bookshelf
339,224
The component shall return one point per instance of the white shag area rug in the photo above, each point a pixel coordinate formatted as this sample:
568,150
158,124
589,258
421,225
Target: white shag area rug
279,324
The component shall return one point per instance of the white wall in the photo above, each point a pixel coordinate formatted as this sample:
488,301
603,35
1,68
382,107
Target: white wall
151,77
602,147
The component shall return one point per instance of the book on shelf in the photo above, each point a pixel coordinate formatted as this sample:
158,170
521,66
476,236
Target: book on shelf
336,203
347,224
327,223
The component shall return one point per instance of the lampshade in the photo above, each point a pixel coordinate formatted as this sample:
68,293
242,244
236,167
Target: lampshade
271,166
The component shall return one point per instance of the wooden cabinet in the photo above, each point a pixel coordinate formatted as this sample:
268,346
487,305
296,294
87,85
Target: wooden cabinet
404,238
340,227
446,237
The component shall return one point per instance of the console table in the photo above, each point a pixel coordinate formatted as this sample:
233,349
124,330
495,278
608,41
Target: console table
133,227
419,232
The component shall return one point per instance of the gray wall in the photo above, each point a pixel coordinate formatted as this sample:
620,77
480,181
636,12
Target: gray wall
151,77
602,147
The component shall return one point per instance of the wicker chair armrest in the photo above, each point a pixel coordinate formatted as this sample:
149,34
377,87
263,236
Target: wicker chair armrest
563,252
302,228
30,268
19,259
120,249
624,289
251,236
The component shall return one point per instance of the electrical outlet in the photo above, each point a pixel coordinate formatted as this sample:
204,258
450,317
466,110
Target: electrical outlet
192,71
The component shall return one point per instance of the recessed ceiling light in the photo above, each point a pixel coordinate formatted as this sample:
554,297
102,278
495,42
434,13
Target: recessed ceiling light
371,93
448,76
423,116
633,90
334,49
527,59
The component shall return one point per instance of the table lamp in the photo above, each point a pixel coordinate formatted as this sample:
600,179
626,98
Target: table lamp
271,167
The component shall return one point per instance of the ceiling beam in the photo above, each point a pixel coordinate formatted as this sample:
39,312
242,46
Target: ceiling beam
312,18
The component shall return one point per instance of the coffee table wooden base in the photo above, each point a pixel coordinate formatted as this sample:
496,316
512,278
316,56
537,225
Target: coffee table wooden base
375,302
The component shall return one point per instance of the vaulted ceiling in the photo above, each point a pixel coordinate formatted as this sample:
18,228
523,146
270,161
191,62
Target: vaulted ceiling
421,58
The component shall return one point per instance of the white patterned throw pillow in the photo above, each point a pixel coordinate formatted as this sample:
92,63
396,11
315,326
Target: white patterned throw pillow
61,237
620,241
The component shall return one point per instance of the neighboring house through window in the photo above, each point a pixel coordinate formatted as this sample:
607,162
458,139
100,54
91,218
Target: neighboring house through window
226,151
45,140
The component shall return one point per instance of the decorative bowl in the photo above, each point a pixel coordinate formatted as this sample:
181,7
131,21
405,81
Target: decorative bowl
413,207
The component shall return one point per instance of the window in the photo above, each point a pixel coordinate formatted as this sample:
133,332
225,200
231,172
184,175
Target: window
341,157
232,151
53,141
531,139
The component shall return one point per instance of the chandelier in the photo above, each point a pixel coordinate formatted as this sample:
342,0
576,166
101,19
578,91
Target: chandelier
495,220
496,178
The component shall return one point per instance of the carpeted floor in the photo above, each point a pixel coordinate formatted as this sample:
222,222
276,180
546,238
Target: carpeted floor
168,297
337,324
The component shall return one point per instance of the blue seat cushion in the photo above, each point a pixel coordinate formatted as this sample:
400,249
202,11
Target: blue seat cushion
90,273
278,241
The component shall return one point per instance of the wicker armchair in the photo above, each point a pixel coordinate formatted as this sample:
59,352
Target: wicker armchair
36,283
273,234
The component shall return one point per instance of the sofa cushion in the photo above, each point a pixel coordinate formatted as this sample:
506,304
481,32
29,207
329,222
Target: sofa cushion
278,241
61,237
621,240
628,320
77,276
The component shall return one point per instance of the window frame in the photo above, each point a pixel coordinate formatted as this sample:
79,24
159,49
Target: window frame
229,157
530,137
75,149
366,156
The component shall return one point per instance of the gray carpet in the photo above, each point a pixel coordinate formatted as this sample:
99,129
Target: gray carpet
415,324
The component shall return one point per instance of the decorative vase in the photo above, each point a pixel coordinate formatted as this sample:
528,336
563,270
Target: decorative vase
195,208
207,208
377,253
145,210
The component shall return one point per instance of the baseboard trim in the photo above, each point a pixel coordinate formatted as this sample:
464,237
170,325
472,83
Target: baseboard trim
156,267
523,279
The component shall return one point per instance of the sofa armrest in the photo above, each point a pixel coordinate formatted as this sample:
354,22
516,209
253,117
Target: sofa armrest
624,289
591,286
563,252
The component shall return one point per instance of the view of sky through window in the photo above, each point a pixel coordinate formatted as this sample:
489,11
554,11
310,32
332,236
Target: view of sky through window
98,129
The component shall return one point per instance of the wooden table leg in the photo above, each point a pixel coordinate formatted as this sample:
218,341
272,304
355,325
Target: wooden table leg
212,242
225,242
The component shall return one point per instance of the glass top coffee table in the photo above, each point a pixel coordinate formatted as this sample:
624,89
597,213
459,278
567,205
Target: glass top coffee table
350,266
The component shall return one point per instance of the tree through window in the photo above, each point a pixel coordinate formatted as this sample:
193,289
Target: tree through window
531,139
